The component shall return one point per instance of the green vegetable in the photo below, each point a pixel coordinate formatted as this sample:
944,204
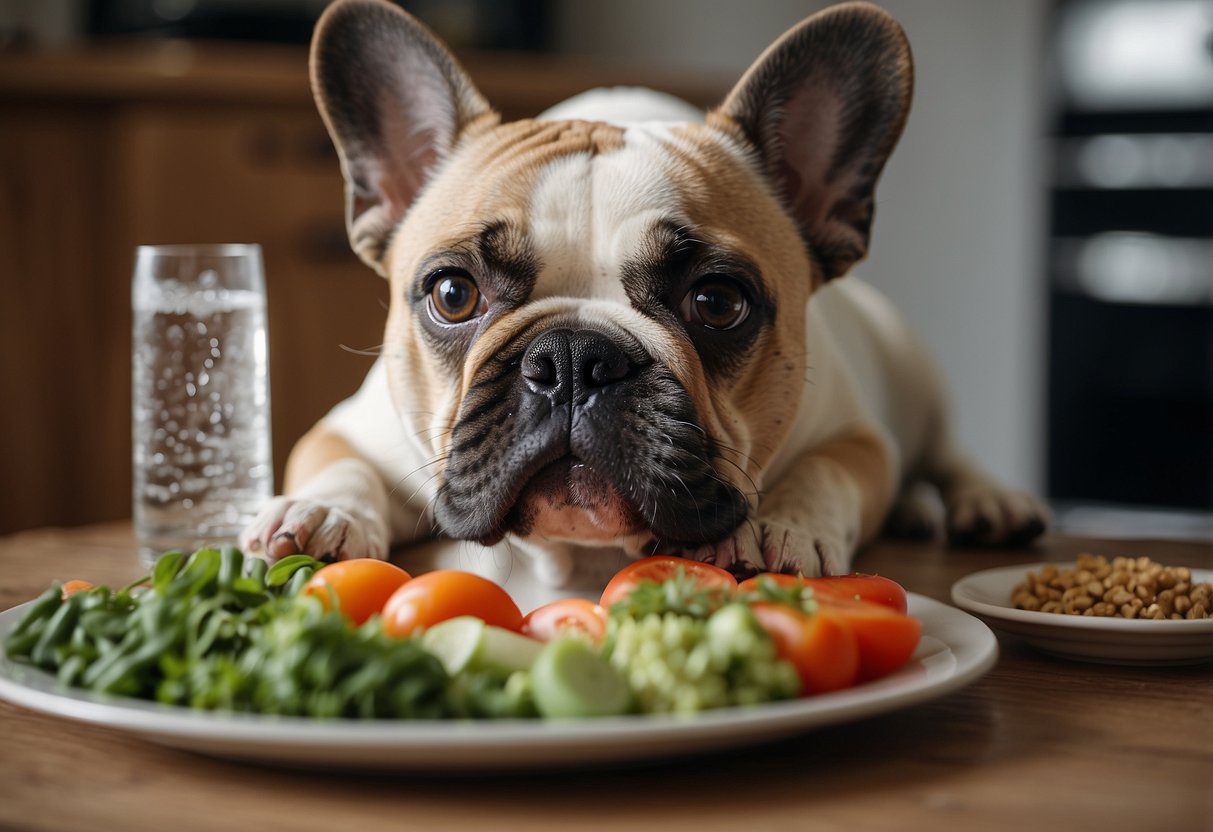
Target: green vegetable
280,573
19,641
467,642
216,630
455,642
570,679
681,664
681,595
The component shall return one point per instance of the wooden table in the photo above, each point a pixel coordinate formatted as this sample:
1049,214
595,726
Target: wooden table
1038,743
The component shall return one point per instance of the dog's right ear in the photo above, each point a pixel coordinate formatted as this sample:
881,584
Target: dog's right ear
395,102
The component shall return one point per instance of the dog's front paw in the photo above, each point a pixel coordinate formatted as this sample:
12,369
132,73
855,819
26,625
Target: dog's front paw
288,526
989,515
767,546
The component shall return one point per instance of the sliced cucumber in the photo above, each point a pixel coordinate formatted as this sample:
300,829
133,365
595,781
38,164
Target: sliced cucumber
506,651
570,679
467,643
455,642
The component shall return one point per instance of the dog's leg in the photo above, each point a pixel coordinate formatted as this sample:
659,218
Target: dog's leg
810,522
916,513
980,510
335,506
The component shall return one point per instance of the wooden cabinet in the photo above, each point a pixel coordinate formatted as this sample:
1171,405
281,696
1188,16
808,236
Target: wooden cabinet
108,148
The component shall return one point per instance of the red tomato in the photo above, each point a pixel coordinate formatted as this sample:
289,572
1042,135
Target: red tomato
362,585
72,587
661,568
856,587
448,593
886,638
821,647
861,587
778,578
576,614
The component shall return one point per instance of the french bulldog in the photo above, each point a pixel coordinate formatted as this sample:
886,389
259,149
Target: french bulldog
623,327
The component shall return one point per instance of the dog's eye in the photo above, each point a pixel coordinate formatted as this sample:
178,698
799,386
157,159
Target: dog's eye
716,302
455,298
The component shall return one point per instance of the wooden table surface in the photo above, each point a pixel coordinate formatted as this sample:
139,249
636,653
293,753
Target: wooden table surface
1038,742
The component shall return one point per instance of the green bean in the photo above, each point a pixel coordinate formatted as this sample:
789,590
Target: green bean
230,564
117,677
43,607
20,644
72,669
128,644
280,573
58,630
255,568
299,580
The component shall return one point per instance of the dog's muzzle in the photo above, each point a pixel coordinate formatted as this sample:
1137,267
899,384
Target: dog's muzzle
579,432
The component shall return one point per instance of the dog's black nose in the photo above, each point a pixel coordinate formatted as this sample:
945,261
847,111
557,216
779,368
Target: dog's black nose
570,364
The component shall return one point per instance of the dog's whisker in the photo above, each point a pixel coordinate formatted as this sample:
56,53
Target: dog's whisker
373,352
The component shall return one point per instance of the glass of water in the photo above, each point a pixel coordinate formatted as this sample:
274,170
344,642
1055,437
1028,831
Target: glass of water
200,395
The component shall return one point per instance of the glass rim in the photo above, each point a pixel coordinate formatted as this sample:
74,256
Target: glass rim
199,250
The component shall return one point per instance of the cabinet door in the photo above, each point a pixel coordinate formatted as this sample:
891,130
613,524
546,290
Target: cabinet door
64,323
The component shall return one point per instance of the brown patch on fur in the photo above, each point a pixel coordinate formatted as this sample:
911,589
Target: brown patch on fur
316,450
728,203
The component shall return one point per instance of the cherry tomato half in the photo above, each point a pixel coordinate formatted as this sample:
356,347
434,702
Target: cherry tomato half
856,587
72,587
661,568
821,647
448,593
571,614
886,638
872,588
362,585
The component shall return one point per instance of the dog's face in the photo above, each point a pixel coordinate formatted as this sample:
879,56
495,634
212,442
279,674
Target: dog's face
598,331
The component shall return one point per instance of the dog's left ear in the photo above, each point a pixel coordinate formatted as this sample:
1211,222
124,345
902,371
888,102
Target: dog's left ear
823,106
395,102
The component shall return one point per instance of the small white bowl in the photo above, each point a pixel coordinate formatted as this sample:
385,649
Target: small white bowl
1131,641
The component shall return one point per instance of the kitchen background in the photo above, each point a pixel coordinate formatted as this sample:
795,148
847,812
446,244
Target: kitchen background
1046,222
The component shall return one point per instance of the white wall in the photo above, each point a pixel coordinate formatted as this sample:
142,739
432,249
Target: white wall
959,222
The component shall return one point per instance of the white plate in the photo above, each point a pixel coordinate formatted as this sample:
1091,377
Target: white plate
955,650
987,594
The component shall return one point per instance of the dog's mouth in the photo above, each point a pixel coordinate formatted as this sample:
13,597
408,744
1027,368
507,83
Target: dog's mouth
569,499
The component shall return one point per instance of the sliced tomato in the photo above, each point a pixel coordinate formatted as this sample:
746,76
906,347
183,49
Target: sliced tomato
448,593
822,647
886,638
872,588
569,615
362,585
777,578
72,587
856,587
661,568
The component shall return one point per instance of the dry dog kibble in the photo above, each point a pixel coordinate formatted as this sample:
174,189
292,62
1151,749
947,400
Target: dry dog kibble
1122,587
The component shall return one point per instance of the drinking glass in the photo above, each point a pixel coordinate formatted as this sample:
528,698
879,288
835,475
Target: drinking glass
200,395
